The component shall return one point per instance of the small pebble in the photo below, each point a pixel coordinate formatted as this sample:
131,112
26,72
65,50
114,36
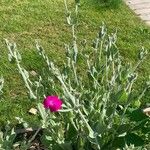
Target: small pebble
33,73
33,111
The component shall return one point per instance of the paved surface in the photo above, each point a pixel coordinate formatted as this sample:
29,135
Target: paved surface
141,8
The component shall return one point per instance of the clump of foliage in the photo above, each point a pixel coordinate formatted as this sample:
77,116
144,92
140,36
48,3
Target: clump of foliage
100,107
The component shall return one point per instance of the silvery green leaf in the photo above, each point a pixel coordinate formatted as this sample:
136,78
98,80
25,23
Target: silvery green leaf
132,77
69,20
26,73
1,83
49,138
53,123
13,131
32,96
19,56
20,120
102,33
122,135
75,51
42,111
10,57
7,137
85,111
39,48
65,110
25,124
91,134
1,136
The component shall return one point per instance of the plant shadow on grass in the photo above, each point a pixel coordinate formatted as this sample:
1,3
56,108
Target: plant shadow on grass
104,4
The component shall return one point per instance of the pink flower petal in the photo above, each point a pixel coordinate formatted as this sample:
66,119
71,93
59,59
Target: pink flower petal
53,103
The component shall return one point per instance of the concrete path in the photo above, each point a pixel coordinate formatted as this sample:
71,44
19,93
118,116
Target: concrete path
141,8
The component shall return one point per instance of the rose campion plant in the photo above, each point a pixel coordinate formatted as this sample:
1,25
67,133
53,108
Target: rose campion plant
101,109
53,103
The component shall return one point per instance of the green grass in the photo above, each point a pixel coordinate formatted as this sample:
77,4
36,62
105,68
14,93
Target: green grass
25,21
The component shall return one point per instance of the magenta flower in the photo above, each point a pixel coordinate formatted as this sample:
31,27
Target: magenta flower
53,103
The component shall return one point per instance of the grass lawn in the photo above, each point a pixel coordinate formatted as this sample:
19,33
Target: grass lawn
27,20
